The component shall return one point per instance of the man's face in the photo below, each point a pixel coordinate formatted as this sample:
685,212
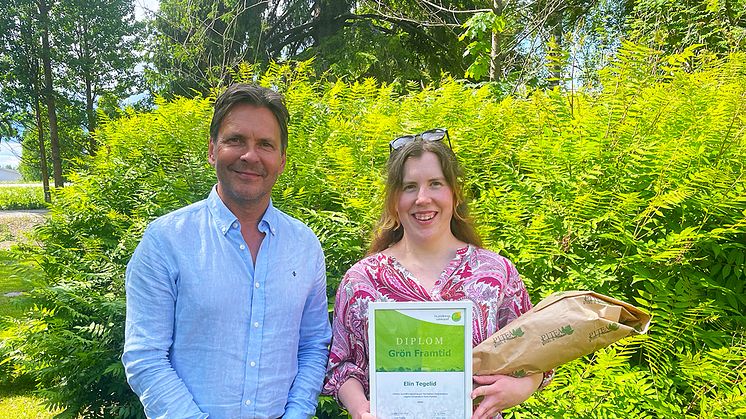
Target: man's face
247,156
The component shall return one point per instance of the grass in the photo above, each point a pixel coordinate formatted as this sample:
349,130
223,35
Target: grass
21,197
17,399
18,402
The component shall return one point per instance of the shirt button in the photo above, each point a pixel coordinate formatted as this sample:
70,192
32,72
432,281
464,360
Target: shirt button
223,229
235,225
247,402
242,247
256,324
256,285
253,364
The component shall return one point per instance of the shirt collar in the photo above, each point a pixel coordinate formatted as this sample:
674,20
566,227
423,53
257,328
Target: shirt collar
225,219
269,219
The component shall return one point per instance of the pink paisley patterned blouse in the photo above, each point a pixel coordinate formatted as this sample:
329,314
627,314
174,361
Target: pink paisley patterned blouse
489,280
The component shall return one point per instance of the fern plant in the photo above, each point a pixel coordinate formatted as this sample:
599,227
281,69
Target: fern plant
635,190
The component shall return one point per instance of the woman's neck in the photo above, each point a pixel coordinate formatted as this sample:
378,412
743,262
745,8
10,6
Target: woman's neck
425,261
431,251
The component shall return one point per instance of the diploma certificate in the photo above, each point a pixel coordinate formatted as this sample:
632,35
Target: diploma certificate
420,359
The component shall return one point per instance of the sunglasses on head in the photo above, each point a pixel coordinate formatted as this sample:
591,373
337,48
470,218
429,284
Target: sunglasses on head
436,134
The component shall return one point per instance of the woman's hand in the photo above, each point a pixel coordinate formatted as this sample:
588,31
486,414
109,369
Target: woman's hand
352,396
501,392
361,411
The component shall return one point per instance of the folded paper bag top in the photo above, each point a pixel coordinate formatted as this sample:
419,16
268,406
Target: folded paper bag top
560,328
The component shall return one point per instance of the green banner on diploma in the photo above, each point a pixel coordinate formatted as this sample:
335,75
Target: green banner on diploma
405,343
420,359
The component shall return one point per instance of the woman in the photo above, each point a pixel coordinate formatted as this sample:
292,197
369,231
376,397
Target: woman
425,249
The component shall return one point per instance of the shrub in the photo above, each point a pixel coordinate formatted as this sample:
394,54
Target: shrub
151,163
636,191
21,197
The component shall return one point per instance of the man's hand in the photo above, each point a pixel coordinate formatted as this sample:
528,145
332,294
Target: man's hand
501,392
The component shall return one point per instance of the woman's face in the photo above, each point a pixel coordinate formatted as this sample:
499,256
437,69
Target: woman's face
425,204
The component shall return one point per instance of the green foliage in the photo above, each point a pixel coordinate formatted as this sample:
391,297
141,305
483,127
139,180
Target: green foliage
104,49
72,339
479,30
672,25
90,51
196,44
14,277
329,409
635,190
21,197
537,43
72,139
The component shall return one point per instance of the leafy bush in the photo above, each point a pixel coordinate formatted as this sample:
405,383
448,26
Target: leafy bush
636,191
72,341
21,197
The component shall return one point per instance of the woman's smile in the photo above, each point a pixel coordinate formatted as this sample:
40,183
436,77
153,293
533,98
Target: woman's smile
425,204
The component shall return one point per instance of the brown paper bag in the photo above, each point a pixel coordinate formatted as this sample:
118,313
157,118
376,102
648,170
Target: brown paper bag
561,328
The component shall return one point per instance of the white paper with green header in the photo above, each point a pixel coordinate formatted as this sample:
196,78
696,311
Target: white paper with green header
420,359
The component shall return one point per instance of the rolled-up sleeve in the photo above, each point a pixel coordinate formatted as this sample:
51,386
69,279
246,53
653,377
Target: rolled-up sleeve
151,295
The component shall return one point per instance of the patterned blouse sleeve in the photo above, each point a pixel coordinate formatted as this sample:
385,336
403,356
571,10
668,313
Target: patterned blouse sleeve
348,356
515,299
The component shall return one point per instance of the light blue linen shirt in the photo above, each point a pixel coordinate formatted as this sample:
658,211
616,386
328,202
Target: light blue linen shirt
209,334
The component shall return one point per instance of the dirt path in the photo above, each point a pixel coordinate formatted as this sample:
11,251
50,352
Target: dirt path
15,224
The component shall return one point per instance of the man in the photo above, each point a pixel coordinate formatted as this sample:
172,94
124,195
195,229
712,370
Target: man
226,298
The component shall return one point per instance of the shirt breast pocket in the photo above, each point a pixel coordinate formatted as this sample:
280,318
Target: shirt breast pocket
289,291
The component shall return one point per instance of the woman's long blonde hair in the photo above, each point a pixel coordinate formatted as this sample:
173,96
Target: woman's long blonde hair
389,229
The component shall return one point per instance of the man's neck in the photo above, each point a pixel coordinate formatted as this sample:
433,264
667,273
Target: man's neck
249,218
248,212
